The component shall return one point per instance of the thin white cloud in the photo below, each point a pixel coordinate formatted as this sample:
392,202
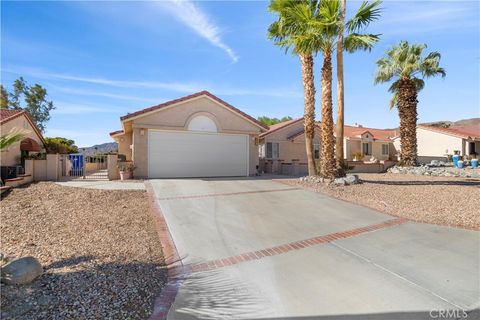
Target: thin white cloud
87,92
196,19
184,88
80,108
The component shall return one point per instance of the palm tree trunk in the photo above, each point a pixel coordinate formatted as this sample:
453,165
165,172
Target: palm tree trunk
306,61
327,156
339,152
407,111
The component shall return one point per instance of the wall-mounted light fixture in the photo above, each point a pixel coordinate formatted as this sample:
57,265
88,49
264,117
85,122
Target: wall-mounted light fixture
142,132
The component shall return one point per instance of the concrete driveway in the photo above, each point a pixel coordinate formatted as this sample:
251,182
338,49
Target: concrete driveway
258,249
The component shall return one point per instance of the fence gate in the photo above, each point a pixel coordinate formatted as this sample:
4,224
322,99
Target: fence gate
80,166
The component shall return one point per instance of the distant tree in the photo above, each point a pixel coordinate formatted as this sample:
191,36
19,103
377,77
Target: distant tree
271,121
34,98
60,145
3,97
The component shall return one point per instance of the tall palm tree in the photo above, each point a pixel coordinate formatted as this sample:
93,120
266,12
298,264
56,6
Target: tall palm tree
405,65
329,27
340,94
292,30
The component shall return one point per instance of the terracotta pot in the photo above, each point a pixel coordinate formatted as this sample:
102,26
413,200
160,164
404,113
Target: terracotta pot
125,175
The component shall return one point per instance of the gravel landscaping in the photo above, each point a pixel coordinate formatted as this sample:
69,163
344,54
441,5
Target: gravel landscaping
101,254
450,201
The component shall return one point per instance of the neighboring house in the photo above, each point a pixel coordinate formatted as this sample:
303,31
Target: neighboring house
199,135
32,142
369,142
282,148
436,143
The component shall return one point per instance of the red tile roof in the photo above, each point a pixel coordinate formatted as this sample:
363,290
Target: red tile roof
9,114
378,134
281,125
466,132
195,95
116,132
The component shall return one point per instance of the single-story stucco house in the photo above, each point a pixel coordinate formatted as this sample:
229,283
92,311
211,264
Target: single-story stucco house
437,143
199,135
282,147
32,142
369,142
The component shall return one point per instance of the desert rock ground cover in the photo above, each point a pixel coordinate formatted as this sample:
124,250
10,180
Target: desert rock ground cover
450,201
99,249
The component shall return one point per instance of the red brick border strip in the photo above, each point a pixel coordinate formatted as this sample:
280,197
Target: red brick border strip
175,270
226,194
281,249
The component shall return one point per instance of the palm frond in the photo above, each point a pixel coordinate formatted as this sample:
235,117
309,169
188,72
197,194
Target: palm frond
419,83
393,101
11,138
367,13
355,41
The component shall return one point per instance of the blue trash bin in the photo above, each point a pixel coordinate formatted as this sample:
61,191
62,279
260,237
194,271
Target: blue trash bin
474,163
455,158
460,164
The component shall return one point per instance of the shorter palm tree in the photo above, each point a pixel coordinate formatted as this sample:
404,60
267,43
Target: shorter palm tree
11,138
408,67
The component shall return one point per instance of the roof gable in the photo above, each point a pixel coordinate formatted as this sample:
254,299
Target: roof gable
7,115
376,134
280,126
179,101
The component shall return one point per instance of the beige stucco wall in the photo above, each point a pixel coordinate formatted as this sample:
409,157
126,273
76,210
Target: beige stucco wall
140,152
290,149
178,118
436,144
124,142
11,155
40,170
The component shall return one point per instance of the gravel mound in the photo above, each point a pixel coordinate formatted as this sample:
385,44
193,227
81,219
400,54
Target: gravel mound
100,251
437,170
449,201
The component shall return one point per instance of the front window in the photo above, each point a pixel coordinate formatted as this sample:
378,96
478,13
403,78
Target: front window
316,150
273,150
366,148
385,149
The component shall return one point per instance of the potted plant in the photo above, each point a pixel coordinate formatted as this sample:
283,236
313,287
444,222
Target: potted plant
126,170
358,156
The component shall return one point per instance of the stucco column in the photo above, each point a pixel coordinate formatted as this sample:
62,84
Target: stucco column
295,167
112,160
29,166
52,166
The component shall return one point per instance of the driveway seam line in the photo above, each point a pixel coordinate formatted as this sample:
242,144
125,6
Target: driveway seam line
397,275
292,246
224,194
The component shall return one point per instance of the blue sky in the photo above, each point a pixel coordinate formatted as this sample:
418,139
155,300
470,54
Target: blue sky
100,60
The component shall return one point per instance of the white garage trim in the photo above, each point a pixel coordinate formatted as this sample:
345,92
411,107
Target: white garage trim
184,154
